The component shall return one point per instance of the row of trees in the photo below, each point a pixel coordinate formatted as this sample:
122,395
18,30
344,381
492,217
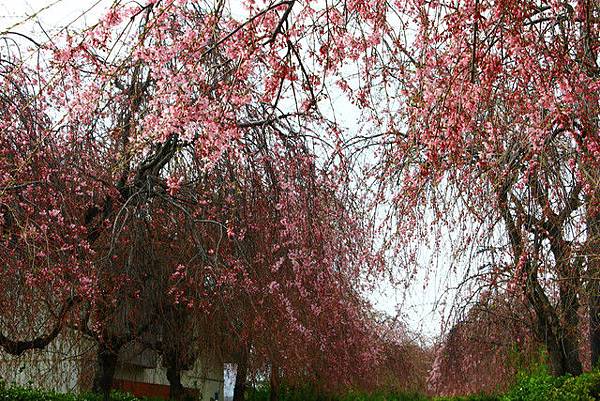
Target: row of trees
155,189
502,140
173,164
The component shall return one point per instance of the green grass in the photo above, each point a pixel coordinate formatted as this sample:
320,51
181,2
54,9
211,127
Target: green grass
307,394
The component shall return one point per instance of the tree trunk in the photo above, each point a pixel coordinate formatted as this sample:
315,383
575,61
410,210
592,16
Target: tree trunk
274,384
557,330
593,272
176,390
590,169
564,356
106,362
562,347
240,377
595,326
568,268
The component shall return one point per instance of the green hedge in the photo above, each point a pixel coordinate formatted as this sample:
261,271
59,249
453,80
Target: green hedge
16,393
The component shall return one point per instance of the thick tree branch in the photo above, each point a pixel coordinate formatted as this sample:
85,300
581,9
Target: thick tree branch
17,347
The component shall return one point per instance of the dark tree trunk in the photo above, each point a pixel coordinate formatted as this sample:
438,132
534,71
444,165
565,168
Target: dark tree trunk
564,356
593,271
590,130
106,363
558,326
595,326
240,377
178,351
561,343
176,390
562,349
568,267
274,384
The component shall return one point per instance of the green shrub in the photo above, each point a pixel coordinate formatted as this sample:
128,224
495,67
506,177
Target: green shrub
17,393
544,387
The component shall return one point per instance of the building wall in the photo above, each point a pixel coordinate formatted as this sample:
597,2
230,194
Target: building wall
67,365
58,367
206,378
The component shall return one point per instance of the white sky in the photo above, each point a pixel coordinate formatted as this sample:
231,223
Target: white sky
55,14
